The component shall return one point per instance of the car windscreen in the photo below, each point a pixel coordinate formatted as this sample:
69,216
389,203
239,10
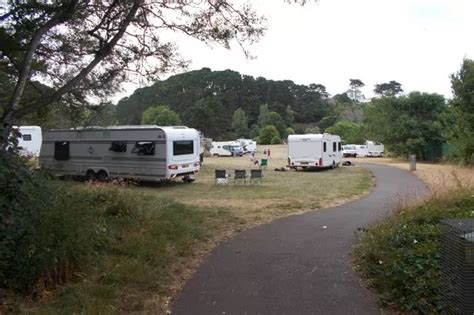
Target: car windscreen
183,147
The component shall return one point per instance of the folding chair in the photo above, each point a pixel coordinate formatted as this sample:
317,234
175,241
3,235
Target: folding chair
221,177
240,175
256,176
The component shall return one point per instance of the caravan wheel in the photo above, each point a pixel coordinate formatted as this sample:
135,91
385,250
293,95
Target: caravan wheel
102,176
333,165
90,175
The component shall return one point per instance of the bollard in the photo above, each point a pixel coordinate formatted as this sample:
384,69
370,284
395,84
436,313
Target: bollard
412,162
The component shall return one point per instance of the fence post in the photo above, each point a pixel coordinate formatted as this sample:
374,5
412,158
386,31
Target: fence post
412,160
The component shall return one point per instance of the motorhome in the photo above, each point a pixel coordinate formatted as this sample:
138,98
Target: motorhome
29,140
314,151
226,148
248,145
375,149
148,153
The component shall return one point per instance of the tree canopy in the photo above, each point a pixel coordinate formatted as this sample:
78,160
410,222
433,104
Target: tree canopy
391,88
161,116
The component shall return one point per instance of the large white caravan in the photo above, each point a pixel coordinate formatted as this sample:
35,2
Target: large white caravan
29,141
248,145
226,148
140,152
314,151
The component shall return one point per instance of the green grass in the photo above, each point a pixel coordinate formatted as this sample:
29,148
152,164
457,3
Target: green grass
143,249
400,256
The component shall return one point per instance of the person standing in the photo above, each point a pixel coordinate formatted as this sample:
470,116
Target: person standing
268,153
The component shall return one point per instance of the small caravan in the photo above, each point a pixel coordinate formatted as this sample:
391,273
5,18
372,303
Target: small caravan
248,145
226,148
148,153
29,141
354,150
375,149
314,151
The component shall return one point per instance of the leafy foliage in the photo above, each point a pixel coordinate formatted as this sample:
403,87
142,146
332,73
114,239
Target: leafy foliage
350,132
267,134
391,88
240,123
459,121
407,124
161,116
207,100
400,256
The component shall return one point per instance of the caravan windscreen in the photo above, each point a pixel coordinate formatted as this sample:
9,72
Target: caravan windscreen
183,147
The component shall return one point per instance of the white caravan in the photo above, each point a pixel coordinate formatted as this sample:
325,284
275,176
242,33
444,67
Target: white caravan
349,150
226,148
30,140
149,153
375,148
314,151
248,145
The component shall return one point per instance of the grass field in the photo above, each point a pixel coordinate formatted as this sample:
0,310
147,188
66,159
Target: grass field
282,193
174,226
440,178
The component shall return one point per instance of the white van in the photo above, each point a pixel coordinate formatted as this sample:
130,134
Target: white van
248,145
149,153
314,151
226,148
30,140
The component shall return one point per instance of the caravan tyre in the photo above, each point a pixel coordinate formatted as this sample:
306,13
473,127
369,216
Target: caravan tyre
102,176
90,175
333,165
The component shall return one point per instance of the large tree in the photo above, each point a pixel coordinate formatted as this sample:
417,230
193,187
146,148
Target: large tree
84,49
391,88
240,123
460,122
161,116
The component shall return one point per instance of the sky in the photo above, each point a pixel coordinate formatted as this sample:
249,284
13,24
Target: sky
418,43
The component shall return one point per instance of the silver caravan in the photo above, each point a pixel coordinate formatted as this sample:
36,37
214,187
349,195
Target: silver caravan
147,153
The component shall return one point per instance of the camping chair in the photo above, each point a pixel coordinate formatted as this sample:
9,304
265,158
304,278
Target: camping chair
240,175
256,175
221,177
263,163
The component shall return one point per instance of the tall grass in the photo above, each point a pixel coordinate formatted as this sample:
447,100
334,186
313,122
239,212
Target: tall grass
88,249
400,256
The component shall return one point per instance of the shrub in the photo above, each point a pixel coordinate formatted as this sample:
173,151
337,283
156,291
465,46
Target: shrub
314,130
290,131
267,133
275,140
400,256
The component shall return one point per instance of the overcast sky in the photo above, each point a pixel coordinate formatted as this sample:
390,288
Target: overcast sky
418,43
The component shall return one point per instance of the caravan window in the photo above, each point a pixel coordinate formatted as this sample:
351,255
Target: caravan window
183,147
118,146
61,150
340,146
26,137
334,146
144,148
324,147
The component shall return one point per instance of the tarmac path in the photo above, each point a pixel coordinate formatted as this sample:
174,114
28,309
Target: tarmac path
298,264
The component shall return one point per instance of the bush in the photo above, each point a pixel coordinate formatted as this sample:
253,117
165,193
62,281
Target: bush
314,130
275,140
47,229
400,256
290,131
267,133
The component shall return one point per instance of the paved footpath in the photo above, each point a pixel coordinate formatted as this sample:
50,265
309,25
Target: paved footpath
298,264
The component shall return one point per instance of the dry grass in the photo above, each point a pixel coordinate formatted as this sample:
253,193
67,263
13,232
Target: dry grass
282,193
440,178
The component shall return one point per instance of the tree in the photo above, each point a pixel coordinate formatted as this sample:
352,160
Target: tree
263,115
274,119
313,130
161,116
240,123
407,124
267,133
350,133
391,88
290,131
460,125
289,116
86,48
354,92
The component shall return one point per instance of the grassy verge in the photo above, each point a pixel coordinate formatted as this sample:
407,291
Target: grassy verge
137,246
400,256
